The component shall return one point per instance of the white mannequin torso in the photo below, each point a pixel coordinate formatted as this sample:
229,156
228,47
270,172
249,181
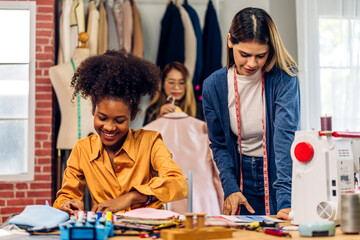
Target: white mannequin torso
60,77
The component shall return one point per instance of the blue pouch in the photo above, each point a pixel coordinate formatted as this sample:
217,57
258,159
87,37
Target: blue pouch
39,216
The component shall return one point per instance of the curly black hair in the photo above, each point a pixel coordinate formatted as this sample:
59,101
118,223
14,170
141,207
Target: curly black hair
116,74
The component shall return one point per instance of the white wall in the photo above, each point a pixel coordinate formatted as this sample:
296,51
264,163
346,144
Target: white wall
283,13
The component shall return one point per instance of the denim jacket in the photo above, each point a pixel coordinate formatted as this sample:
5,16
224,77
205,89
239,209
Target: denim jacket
282,97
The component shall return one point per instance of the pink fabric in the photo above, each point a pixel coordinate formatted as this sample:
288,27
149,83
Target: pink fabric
148,214
186,140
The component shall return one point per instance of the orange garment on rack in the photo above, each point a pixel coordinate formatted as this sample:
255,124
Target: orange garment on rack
143,163
186,140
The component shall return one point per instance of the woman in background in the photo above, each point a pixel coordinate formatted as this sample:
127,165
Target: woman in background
252,110
176,91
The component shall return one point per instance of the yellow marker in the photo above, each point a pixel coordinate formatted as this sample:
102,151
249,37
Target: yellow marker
254,225
108,216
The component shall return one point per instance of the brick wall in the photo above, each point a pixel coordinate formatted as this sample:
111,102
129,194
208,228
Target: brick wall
14,196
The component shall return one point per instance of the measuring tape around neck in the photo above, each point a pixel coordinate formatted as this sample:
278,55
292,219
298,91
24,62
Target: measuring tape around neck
265,160
78,102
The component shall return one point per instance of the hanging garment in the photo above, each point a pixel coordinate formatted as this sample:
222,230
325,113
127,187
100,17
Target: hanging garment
186,140
113,41
77,24
64,33
199,47
103,29
118,14
190,41
73,27
93,28
80,16
127,25
211,43
138,37
171,43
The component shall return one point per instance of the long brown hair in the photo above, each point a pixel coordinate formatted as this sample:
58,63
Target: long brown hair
187,103
255,24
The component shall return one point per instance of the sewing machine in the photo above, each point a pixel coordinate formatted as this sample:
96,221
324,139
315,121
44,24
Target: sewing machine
324,167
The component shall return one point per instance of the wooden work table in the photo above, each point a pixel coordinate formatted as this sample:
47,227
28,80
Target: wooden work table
254,235
237,234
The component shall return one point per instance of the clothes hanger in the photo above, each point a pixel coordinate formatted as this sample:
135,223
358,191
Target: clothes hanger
171,98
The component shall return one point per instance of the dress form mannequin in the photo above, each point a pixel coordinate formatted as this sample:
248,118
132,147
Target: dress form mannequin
60,77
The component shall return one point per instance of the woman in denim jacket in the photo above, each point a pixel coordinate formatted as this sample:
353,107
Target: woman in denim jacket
256,96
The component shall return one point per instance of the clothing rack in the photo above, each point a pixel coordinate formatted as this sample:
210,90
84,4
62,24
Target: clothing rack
216,3
191,2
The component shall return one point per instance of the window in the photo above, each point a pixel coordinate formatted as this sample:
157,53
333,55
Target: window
329,60
339,56
17,90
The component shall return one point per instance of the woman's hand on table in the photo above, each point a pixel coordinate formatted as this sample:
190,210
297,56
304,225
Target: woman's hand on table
71,205
234,201
283,213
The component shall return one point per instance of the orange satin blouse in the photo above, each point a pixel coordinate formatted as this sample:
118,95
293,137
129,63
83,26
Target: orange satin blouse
143,163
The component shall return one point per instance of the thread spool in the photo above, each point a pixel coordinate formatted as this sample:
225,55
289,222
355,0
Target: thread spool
326,125
189,221
350,213
200,220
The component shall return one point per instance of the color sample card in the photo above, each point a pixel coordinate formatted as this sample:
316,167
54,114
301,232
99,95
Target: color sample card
250,218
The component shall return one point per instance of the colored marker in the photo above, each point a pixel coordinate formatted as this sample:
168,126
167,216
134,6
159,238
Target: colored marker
276,232
99,215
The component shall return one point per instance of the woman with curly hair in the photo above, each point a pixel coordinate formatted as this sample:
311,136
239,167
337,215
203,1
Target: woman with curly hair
175,91
123,168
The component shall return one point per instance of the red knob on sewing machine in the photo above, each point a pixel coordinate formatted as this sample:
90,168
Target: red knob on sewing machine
304,152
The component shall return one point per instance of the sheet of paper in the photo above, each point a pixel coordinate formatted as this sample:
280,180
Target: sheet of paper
250,218
4,233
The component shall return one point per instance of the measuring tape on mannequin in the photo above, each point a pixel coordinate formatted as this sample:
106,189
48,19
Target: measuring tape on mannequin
238,119
78,102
